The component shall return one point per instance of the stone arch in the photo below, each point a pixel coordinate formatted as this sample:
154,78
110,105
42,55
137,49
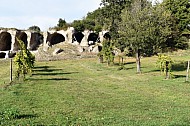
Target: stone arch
78,36
107,36
99,48
35,41
92,38
5,41
55,38
2,55
21,36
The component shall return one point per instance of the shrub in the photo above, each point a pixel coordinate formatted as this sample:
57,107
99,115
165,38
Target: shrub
24,60
165,64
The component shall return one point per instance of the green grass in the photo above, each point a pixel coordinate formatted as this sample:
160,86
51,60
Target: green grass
85,92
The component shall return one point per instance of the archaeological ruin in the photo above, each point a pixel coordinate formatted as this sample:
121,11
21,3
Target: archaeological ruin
86,39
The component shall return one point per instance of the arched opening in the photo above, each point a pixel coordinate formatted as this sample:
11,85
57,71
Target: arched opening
92,38
2,55
21,36
35,41
55,38
107,36
5,41
78,36
99,48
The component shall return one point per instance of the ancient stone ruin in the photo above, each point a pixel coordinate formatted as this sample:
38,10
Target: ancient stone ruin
86,40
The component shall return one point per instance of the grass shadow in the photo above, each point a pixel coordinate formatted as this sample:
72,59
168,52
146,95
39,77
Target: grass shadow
26,116
152,71
57,79
178,76
45,70
53,73
129,63
125,68
126,63
42,67
181,66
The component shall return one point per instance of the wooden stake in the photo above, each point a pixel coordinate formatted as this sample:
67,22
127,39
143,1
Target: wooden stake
11,70
187,76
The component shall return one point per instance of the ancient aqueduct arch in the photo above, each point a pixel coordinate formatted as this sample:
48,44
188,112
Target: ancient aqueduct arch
9,43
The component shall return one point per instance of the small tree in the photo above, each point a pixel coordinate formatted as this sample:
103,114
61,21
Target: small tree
165,64
24,60
107,51
136,28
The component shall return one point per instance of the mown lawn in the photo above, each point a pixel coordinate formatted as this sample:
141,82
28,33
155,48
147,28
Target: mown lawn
85,92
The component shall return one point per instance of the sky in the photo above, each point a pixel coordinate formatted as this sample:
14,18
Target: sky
22,14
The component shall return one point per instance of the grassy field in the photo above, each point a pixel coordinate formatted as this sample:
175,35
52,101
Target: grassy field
85,92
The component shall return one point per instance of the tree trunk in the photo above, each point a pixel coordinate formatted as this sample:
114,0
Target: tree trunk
122,61
11,70
167,70
138,61
101,59
108,62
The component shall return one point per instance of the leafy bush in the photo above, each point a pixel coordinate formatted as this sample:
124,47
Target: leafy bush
107,51
24,60
165,64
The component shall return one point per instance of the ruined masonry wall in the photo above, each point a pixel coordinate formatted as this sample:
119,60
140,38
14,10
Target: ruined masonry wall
68,34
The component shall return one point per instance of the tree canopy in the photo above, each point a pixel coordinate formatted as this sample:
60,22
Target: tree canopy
34,28
180,9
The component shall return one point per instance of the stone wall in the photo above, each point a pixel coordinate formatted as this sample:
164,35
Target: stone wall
86,39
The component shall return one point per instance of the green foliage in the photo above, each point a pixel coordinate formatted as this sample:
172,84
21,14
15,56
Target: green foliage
97,17
112,11
24,60
8,114
163,28
62,24
78,25
165,64
136,27
180,9
107,51
150,29
89,24
97,28
34,28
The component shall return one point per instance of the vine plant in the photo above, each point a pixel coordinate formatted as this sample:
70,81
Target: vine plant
24,60
107,51
165,65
